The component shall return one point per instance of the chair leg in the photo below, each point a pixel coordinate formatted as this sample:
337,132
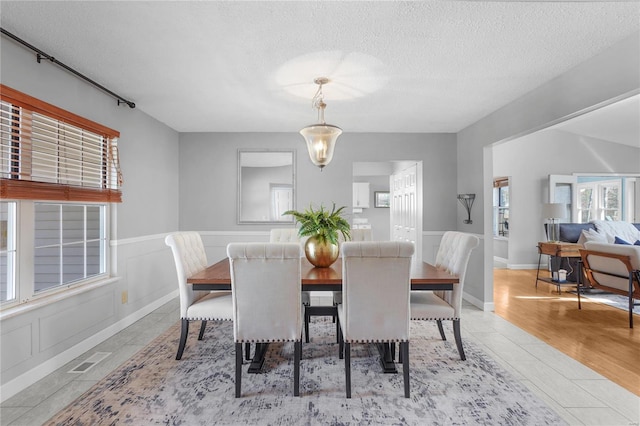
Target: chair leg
202,327
456,333
296,368
631,300
307,317
183,338
392,348
238,369
247,351
404,349
441,330
347,367
340,342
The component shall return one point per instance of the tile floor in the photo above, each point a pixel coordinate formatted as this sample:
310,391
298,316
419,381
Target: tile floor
578,394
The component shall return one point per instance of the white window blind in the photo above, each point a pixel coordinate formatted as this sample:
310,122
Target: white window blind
43,151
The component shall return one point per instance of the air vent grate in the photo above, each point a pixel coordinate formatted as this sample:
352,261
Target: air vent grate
89,363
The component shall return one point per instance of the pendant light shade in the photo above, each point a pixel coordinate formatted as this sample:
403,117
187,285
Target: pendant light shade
321,138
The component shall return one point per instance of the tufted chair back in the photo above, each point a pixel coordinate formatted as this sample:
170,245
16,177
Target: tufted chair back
284,235
266,292
376,280
453,255
190,257
361,235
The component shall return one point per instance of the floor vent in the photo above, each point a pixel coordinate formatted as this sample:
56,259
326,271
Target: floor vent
87,364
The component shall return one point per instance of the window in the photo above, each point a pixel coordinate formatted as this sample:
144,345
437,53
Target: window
599,200
501,207
7,250
58,172
69,244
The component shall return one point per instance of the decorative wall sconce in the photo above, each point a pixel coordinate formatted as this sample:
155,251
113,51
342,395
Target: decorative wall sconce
467,201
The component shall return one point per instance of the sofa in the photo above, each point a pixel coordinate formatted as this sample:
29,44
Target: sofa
600,231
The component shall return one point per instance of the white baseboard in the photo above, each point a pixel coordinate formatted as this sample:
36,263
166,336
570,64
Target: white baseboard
526,266
27,379
485,306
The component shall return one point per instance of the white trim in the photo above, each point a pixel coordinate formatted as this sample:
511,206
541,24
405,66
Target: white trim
484,306
526,266
27,379
441,233
154,237
64,292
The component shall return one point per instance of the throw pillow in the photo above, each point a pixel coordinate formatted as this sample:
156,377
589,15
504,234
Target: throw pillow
591,235
637,243
619,240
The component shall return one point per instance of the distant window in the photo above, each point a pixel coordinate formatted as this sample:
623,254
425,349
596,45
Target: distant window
599,200
501,207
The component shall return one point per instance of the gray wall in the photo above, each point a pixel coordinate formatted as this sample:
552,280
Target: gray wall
529,161
609,75
39,340
207,160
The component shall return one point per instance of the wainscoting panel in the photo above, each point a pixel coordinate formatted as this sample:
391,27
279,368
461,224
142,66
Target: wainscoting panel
19,347
57,328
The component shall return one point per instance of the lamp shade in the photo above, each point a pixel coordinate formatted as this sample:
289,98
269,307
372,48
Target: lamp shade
554,210
321,140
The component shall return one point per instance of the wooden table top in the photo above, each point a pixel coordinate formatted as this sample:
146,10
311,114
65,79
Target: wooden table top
559,248
422,275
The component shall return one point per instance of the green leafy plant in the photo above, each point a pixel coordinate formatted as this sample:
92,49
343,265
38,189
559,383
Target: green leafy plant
322,223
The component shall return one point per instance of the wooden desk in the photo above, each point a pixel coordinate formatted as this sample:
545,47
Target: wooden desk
557,250
423,277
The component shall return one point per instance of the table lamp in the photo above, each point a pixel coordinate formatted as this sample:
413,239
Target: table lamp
553,212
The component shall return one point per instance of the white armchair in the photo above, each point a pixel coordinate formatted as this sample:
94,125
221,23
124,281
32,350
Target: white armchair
190,257
376,280
453,255
266,292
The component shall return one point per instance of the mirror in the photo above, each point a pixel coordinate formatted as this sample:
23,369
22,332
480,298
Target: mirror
266,185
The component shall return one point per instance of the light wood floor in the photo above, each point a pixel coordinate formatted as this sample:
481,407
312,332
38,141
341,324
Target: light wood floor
598,335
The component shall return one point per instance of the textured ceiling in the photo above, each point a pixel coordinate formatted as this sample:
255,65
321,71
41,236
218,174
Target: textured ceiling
249,66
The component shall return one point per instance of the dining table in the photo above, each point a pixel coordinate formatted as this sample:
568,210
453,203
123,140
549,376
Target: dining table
424,277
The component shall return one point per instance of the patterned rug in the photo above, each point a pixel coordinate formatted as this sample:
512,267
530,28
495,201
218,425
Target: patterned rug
153,388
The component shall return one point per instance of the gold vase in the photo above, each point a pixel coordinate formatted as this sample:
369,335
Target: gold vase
321,254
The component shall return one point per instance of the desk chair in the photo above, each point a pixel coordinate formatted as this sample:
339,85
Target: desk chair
190,257
376,281
266,292
453,255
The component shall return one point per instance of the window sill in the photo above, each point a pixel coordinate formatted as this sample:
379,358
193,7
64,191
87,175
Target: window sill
497,238
42,301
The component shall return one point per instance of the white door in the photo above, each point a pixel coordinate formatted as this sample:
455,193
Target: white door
406,208
281,201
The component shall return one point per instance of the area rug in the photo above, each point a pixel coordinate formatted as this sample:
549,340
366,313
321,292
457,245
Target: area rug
153,388
611,299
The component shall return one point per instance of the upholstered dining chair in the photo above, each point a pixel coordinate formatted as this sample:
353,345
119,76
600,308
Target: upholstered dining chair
266,293
290,235
376,281
356,235
190,257
453,255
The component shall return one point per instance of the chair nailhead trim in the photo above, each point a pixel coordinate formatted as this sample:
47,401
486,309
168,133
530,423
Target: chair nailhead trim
435,319
267,341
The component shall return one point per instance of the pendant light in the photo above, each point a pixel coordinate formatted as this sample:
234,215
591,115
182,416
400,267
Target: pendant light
321,138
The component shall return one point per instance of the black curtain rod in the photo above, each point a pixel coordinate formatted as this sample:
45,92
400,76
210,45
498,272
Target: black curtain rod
40,55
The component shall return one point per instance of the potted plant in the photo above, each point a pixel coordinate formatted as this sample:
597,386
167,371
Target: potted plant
322,227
